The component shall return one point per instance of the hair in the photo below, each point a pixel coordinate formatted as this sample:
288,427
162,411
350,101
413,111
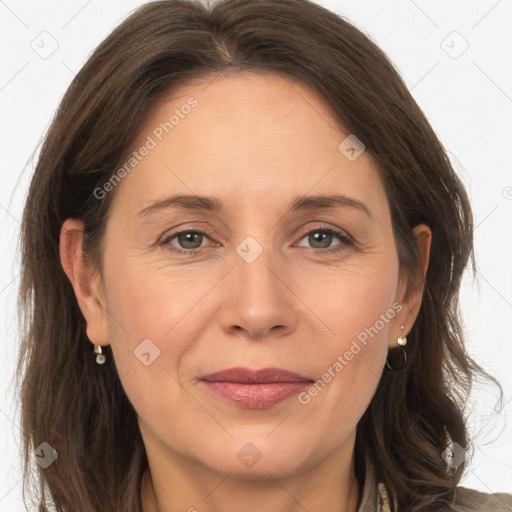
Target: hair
83,413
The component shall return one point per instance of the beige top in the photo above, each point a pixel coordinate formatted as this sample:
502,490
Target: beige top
375,498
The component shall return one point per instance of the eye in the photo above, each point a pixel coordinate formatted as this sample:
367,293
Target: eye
321,238
190,241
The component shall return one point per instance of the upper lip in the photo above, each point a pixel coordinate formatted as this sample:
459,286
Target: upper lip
248,376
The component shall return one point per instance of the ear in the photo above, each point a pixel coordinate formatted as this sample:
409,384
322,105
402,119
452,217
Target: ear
86,282
410,294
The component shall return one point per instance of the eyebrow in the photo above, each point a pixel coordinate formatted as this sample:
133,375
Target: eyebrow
212,204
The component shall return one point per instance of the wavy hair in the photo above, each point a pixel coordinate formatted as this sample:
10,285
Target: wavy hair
85,415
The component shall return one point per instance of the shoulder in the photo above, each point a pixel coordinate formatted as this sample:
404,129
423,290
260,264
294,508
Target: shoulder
470,500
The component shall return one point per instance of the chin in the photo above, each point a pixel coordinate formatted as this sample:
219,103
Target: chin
259,457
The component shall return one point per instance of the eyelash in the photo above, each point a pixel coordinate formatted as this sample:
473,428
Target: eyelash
345,239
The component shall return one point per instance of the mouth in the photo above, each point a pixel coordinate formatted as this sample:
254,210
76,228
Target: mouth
255,389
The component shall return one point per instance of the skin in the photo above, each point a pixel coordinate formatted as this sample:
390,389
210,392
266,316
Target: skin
255,142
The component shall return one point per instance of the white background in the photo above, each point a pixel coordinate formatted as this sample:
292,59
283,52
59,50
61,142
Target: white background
467,99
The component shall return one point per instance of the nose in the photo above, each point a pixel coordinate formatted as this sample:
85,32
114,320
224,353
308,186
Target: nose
257,302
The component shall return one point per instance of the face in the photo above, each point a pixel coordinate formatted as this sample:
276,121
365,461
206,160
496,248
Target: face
257,276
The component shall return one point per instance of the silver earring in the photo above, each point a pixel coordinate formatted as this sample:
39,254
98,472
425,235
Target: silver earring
402,341
100,358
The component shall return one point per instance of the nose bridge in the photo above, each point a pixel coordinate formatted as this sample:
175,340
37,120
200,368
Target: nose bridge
259,300
255,265
258,261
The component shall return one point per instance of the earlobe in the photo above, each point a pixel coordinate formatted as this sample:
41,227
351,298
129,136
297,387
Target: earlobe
85,281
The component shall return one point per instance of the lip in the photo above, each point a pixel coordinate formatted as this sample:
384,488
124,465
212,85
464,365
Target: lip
248,376
255,389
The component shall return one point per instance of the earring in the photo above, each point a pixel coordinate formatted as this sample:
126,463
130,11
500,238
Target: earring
402,341
100,358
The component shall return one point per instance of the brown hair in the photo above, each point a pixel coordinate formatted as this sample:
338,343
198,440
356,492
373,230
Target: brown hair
84,414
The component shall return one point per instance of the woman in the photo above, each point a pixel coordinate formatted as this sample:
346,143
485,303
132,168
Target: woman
242,252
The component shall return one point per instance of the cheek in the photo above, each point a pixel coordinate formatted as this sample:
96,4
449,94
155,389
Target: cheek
354,357
359,303
145,300
143,312
148,338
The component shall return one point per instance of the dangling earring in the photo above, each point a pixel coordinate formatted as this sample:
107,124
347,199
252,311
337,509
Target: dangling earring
100,358
402,341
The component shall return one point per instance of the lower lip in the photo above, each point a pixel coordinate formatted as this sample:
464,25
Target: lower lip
256,396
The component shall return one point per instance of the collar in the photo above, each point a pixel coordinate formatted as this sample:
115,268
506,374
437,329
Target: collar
375,497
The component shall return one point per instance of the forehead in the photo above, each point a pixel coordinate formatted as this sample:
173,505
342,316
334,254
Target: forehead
254,135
